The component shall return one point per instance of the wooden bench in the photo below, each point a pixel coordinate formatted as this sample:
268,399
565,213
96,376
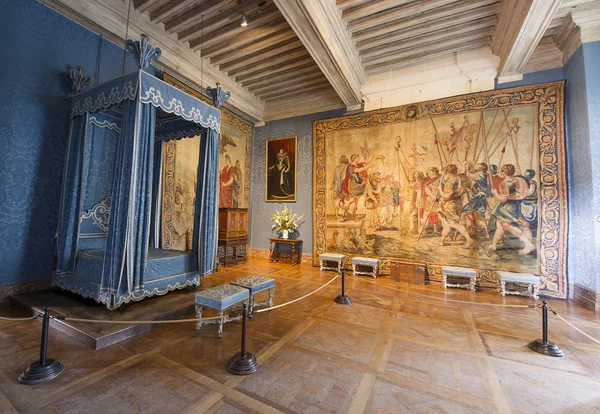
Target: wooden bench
371,263
533,283
256,284
326,261
459,273
221,298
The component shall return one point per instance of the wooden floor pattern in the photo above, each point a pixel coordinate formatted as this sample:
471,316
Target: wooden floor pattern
389,352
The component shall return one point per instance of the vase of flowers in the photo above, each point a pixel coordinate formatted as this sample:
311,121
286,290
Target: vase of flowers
285,222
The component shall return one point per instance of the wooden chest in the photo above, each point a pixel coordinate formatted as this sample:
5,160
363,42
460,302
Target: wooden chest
413,273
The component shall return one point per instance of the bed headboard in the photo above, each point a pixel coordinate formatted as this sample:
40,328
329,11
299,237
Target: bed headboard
93,225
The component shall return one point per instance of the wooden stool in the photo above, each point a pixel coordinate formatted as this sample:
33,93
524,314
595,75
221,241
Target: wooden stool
326,259
369,262
220,298
459,273
256,284
532,281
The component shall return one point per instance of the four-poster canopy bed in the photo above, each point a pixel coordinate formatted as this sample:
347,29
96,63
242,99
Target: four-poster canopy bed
108,236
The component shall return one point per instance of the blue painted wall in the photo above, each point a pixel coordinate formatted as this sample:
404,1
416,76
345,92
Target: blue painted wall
583,77
38,47
302,127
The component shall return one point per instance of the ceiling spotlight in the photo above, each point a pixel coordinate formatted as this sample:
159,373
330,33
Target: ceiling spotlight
243,20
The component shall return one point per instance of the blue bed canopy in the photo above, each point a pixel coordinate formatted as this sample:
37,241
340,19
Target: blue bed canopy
108,236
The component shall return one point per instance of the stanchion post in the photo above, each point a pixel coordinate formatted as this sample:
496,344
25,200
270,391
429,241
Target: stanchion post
45,369
543,346
243,363
343,299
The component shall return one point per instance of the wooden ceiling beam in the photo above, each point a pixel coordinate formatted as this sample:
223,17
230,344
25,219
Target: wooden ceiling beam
182,20
282,83
216,21
274,70
292,87
434,44
245,50
520,28
487,13
143,5
346,4
296,91
170,9
233,29
317,101
408,10
366,9
249,37
319,26
261,66
424,18
296,72
410,57
483,27
266,55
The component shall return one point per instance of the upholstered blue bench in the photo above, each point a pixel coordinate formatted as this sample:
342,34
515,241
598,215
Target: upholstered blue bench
256,284
327,260
533,283
220,298
370,263
459,273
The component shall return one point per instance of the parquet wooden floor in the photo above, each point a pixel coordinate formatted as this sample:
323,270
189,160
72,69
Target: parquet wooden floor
389,352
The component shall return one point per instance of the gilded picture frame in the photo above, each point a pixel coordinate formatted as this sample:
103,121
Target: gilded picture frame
523,126
280,170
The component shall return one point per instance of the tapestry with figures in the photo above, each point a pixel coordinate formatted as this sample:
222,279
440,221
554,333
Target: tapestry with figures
475,181
180,165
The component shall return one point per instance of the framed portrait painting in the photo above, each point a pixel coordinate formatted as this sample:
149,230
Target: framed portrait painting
281,169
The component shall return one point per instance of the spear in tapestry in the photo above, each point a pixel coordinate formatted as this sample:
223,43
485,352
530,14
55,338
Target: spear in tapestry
436,141
515,129
497,133
398,149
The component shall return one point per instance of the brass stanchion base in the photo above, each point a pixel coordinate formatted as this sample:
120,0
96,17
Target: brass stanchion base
37,373
546,348
242,365
343,300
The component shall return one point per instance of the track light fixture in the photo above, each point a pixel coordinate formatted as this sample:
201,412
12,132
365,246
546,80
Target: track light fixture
243,20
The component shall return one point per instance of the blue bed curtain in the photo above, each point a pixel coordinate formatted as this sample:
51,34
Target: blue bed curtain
129,230
156,196
206,214
70,205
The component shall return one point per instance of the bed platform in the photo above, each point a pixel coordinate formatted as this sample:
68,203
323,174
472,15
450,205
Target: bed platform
166,270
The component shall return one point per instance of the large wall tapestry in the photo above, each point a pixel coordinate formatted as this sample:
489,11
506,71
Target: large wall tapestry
475,181
181,164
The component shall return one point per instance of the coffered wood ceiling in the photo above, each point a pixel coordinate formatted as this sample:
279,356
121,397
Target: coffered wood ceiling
396,33
302,56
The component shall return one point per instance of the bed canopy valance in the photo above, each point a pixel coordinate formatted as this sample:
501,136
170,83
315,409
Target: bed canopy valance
108,237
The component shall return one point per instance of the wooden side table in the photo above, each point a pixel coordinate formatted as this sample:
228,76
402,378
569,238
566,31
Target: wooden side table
295,255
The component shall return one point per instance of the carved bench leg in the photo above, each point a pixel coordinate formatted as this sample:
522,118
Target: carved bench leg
375,272
444,281
271,296
199,316
536,291
353,269
503,288
221,322
472,284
